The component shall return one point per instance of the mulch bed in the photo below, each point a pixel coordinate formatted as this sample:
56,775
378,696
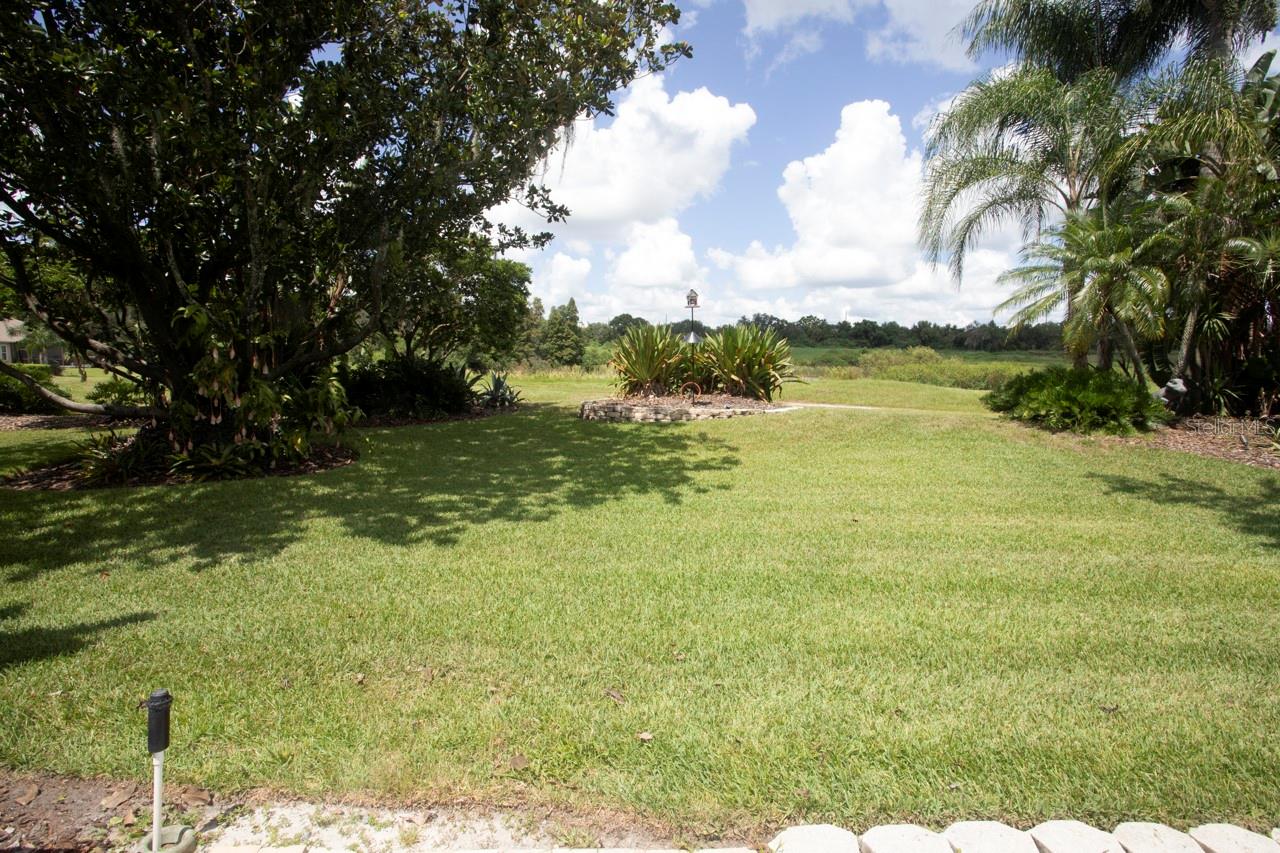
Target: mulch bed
65,476
12,423
714,401
1244,440
45,812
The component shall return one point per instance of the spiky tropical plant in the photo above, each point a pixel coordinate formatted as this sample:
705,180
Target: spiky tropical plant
498,392
747,361
647,360
1214,142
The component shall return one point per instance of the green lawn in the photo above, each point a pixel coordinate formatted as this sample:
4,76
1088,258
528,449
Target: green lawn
70,383
854,616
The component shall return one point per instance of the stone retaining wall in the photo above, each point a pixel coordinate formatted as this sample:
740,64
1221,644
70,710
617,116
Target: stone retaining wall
626,410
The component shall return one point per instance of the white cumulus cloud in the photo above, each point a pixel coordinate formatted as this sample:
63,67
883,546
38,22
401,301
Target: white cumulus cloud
657,255
854,209
922,31
660,154
560,277
913,30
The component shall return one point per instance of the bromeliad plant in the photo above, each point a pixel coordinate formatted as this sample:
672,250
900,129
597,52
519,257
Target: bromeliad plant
498,393
648,360
744,361
747,361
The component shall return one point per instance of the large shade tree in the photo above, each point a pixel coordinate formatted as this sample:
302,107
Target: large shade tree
463,296
230,178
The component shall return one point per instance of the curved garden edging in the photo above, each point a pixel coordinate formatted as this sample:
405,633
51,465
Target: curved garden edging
641,412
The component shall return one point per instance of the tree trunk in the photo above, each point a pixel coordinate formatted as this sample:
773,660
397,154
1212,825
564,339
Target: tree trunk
1106,352
1184,347
1131,350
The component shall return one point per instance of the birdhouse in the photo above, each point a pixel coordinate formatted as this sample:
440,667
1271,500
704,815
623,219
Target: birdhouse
691,299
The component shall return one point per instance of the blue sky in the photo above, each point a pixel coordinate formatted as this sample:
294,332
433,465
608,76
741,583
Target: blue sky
777,170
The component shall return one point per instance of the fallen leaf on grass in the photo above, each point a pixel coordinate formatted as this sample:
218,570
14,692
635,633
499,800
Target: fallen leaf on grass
615,696
360,678
518,762
644,737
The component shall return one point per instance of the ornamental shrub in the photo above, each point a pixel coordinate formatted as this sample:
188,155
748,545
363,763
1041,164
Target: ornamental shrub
1082,399
18,398
416,388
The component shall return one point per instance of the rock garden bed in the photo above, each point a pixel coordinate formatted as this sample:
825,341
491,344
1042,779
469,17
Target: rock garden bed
673,408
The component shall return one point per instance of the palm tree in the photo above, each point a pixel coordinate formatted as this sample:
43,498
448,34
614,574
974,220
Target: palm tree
1214,140
1107,269
38,340
1131,37
1025,148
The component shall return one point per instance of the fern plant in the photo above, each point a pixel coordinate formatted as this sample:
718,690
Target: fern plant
1080,399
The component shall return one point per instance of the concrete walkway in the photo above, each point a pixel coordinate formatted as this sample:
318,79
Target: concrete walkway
797,404
310,828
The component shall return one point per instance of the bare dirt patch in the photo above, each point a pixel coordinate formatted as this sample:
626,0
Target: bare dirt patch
40,811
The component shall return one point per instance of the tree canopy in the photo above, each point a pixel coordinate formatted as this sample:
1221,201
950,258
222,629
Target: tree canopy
230,180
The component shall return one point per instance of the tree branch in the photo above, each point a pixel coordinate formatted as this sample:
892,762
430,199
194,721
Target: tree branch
22,284
109,409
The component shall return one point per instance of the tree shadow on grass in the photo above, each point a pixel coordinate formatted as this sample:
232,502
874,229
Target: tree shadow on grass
31,644
413,484
19,457
1254,515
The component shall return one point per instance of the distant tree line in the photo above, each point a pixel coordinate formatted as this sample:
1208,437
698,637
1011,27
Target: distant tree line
558,338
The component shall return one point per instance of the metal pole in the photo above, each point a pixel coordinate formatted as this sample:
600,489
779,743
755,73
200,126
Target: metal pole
158,705
157,788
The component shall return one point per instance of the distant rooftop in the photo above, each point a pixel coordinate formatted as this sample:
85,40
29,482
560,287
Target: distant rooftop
11,331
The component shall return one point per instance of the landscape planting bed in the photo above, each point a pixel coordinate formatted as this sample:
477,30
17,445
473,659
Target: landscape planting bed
666,409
